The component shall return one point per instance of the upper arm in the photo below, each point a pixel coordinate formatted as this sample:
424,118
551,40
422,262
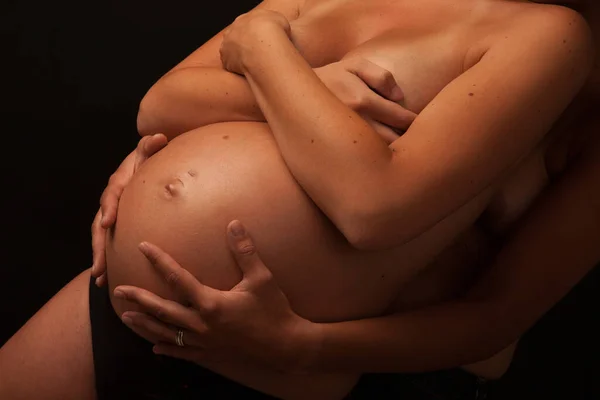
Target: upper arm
207,55
482,123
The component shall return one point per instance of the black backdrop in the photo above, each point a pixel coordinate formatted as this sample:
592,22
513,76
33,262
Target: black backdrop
72,76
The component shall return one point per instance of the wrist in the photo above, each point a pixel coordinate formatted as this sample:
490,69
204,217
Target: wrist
305,348
266,41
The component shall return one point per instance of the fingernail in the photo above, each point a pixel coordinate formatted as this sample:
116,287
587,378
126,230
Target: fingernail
118,294
237,229
143,247
98,281
127,321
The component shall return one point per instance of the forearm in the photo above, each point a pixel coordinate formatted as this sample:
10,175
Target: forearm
337,157
444,336
192,97
554,247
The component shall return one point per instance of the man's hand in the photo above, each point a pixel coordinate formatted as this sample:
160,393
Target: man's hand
109,202
371,91
253,320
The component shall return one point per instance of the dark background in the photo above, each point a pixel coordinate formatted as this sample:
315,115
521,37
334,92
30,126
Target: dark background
72,76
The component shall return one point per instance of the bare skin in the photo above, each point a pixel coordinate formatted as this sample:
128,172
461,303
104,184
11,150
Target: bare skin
50,357
373,278
14,349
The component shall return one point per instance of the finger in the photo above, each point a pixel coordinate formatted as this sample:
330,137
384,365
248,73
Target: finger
193,354
109,202
377,78
147,147
245,254
154,144
149,327
388,113
158,329
141,331
167,311
387,134
140,155
101,280
180,279
98,246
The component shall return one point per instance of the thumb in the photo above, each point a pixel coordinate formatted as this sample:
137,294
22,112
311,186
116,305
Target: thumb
154,144
244,252
147,147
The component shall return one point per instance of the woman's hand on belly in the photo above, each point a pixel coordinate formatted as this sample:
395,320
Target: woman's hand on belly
254,320
107,214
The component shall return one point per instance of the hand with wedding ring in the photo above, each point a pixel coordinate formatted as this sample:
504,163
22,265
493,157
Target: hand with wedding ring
253,320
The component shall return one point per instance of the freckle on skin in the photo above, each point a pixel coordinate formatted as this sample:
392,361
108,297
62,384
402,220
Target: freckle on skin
312,140
355,142
471,94
226,137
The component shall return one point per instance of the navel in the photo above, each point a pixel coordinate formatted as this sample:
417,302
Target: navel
173,188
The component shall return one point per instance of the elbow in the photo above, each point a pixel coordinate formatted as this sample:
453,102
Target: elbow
147,117
370,229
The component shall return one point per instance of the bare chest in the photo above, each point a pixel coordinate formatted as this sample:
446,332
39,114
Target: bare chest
424,44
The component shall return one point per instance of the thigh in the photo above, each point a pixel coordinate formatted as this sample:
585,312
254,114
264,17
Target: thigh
50,357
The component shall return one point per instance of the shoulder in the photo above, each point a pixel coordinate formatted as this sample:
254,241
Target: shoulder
549,44
554,29
290,8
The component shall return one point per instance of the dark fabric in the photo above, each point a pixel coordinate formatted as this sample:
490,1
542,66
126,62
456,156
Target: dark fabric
454,384
126,368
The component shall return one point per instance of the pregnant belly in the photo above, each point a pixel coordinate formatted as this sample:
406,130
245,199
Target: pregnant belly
182,200
184,196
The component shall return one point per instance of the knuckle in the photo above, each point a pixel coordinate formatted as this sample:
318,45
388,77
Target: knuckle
358,62
210,309
387,76
159,312
141,144
246,248
385,80
263,277
356,101
173,278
